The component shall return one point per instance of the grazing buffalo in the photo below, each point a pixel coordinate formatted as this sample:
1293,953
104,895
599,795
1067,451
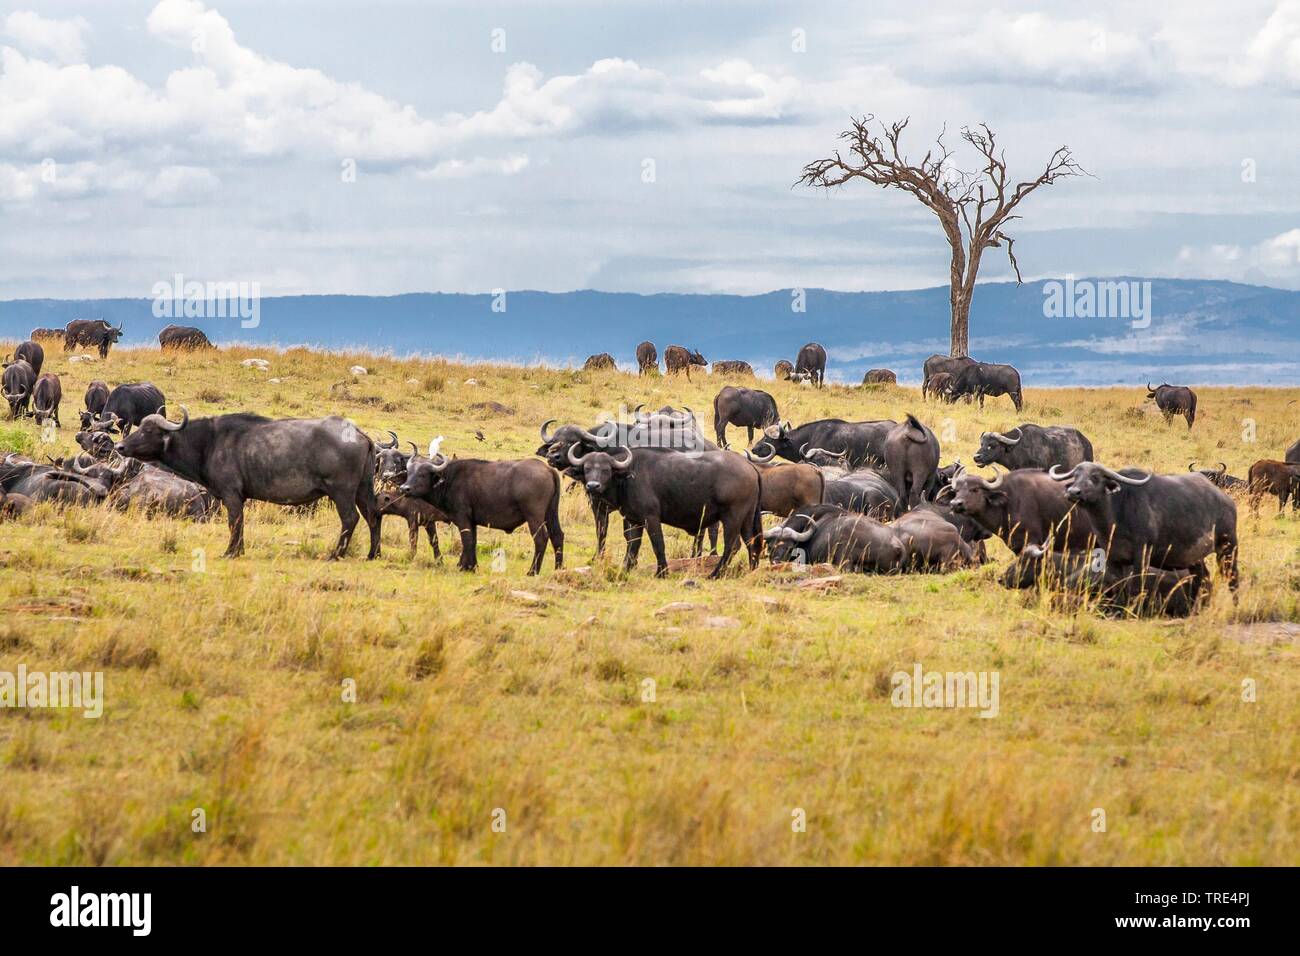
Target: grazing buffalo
911,459
19,380
784,371
678,359
292,461
1117,590
183,337
130,404
982,379
733,368
879,376
1033,446
46,396
810,364
647,358
1174,400
826,534
604,362
748,408
47,335
653,487
96,399
931,542
494,494
1142,519
418,514
787,487
91,333
1220,478
941,385
1280,478
862,443
32,354
1023,508
942,363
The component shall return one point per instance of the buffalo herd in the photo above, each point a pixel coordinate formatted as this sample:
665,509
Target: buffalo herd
867,496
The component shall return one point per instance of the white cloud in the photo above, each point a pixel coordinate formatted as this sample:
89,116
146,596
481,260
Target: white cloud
181,186
1274,53
1273,261
62,40
460,168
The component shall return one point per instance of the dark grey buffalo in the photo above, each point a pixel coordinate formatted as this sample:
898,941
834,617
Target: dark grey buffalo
931,542
984,379
604,362
152,490
747,408
46,396
492,494
1023,508
680,359
130,404
183,338
1293,453
879,376
810,364
46,483
1034,446
911,459
91,333
647,358
292,461
1117,590
19,380
861,443
1166,521
950,365
734,368
1173,400
826,534
1220,478
97,441
653,487
96,399
31,353
865,491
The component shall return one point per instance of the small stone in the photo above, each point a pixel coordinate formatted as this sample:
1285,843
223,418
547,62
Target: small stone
358,370
678,607
721,621
528,597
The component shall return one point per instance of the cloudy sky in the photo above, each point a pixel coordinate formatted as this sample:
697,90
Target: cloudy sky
371,147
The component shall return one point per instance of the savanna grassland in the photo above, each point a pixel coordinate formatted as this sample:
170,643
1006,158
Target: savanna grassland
225,680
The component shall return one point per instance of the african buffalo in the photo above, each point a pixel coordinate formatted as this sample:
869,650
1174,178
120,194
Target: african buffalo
128,405
1173,400
153,490
941,385
46,396
31,353
911,458
810,364
418,514
783,370
942,363
1280,478
1293,453
733,367
1220,478
47,483
1033,446
826,534
96,399
931,542
291,461
789,486
862,442
183,337
1119,590
92,333
865,491
46,334
879,376
652,487
678,359
19,380
604,362
494,494
982,379
97,441
1143,519
647,358
1022,508
748,408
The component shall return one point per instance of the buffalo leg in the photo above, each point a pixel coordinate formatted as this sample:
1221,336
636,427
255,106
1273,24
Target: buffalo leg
348,518
368,507
540,536
600,511
1225,550
413,532
235,518
468,547
656,532
632,535
731,536
432,529
553,529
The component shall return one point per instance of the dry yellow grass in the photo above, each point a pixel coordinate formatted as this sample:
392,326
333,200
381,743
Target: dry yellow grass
225,686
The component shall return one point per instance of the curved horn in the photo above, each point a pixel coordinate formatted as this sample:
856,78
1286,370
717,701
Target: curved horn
996,483
572,460
998,436
1124,478
175,426
1033,550
1061,477
415,449
625,463
944,492
1223,469
801,536
1191,466
639,415
1149,387
760,461
394,443
76,466
546,439
591,438
440,462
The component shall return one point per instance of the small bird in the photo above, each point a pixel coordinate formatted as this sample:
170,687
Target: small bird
479,434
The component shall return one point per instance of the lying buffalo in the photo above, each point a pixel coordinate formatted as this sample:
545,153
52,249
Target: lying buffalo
1022,508
292,461
826,534
748,408
1173,400
879,376
865,491
183,338
911,458
1166,521
47,483
1117,590
788,487
492,494
930,542
653,487
1034,446
783,370
47,335
1220,478
733,368
152,490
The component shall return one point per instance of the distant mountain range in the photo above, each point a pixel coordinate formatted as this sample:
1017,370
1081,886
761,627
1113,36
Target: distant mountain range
1198,331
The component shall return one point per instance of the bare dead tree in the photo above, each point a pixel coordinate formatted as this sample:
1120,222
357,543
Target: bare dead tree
973,207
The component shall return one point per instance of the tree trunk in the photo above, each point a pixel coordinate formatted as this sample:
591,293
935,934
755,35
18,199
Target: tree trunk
960,295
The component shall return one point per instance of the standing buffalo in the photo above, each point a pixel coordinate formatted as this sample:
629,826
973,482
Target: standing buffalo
128,405
982,379
1278,478
418,514
733,368
941,384
862,443
31,353
784,370
911,459
1033,446
810,364
494,494
653,487
1174,400
46,396
879,376
292,461
647,358
92,333
787,487
1142,519
183,337
19,379
604,362
942,363
1023,508
749,408
678,359
96,399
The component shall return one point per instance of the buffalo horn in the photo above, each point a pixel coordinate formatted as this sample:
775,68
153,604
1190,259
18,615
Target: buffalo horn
175,426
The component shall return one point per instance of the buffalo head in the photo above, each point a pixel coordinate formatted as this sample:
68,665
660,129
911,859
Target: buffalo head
600,468
150,439
993,445
1091,482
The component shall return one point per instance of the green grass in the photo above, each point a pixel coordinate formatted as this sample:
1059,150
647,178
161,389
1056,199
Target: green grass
229,683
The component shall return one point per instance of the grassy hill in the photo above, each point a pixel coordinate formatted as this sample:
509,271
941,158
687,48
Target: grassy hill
496,692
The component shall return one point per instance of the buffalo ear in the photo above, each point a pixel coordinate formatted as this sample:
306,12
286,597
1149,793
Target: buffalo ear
997,497
1113,487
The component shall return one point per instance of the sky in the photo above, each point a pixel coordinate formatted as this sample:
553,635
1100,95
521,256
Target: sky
382,148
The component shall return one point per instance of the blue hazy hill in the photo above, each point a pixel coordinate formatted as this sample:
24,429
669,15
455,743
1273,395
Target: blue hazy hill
1201,331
